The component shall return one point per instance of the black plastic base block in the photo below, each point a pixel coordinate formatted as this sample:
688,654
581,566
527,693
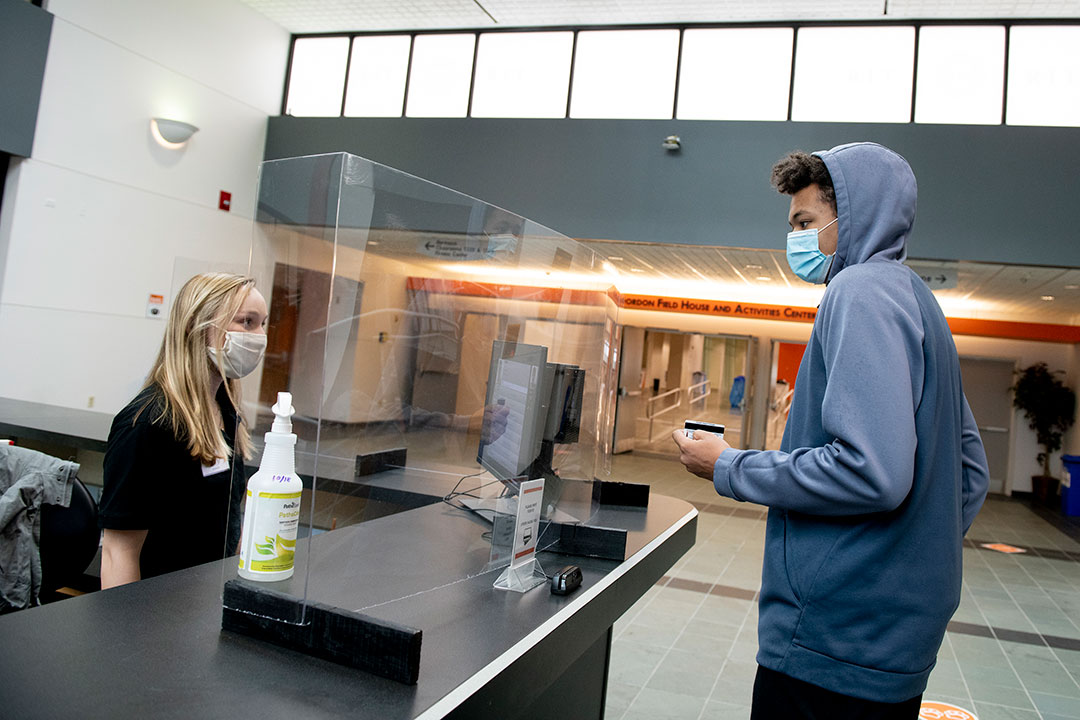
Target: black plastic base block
342,636
590,541
620,493
376,462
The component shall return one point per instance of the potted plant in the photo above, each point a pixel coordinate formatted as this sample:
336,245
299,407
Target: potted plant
1050,407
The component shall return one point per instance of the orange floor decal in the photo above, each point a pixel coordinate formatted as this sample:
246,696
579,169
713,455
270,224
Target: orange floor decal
1003,548
932,710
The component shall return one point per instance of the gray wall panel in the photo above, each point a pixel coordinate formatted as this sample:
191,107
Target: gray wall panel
24,44
996,194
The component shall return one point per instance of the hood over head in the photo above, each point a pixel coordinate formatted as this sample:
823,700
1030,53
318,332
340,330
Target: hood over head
875,203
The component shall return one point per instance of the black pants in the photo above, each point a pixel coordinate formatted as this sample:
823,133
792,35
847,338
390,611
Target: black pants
779,697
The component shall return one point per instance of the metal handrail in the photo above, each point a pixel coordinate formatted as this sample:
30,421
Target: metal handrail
649,414
704,384
652,415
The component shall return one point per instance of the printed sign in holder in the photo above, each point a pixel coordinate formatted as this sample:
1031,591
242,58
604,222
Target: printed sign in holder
521,526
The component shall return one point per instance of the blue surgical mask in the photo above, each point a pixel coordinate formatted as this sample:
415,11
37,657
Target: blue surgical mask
805,257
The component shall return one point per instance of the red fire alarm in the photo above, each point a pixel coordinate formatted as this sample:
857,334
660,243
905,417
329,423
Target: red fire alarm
225,201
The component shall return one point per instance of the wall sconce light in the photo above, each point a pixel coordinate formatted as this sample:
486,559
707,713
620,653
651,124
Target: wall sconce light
672,143
171,133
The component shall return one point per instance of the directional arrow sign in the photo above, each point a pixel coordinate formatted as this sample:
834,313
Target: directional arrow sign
463,247
938,278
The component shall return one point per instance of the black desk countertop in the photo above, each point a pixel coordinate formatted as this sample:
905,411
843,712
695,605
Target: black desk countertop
85,429
156,648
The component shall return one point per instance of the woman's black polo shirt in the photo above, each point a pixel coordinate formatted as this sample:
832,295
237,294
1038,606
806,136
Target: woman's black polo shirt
192,514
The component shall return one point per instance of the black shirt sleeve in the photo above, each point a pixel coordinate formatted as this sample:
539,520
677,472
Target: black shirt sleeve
139,456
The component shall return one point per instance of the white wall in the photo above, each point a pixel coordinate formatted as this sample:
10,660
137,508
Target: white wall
1024,353
101,216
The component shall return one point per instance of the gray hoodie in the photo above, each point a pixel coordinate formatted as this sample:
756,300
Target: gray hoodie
881,469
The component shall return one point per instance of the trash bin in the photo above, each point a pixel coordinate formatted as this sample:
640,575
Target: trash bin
1070,488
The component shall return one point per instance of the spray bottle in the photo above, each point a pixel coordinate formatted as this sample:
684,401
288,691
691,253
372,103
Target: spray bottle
272,510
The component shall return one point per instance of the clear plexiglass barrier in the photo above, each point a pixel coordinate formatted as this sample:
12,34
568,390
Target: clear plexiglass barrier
440,352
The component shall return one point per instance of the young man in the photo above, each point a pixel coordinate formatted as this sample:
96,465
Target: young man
881,469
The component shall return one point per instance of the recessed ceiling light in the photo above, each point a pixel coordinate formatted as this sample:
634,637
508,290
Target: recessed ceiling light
764,278
753,267
1047,298
1072,287
636,270
614,257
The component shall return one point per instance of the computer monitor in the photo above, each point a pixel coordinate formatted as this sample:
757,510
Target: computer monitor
544,402
516,381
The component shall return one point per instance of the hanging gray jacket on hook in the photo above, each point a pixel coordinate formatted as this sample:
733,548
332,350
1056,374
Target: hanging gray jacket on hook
28,480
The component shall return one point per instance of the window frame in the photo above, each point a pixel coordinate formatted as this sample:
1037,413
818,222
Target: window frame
917,24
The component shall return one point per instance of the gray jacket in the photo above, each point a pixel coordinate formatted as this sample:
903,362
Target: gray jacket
28,480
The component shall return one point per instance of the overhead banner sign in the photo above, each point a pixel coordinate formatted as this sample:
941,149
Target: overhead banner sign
723,308
1043,332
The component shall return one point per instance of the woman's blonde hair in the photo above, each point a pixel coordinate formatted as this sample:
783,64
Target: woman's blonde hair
203,308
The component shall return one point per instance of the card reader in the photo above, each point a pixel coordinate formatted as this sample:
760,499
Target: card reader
566,580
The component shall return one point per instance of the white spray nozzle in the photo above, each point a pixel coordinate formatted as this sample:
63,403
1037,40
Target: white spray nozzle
283,411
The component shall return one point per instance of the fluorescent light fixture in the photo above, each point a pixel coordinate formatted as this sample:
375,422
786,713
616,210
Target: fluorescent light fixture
171,133
966,306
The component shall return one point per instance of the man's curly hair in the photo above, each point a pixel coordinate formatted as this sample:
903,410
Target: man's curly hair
798,170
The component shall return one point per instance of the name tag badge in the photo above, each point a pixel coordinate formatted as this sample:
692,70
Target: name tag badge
220,465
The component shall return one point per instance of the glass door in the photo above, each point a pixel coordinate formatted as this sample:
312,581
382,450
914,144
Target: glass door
667,377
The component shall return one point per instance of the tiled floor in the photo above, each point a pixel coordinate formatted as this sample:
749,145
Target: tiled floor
686,649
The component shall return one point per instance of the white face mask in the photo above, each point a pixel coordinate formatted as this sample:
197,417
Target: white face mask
241,353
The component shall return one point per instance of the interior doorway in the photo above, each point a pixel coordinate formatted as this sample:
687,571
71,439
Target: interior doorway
630,389
312,317
986,385
667,377
786,358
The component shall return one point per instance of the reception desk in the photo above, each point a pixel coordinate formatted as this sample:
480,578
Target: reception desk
156,648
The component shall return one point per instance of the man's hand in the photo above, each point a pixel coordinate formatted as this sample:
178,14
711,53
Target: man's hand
699,453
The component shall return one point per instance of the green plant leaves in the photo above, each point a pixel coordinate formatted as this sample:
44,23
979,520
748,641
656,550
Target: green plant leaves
1049,406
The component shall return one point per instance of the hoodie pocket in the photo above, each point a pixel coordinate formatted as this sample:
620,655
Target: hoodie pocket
789,562
808,548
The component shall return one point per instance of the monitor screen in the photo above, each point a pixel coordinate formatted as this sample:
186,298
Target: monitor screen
516,380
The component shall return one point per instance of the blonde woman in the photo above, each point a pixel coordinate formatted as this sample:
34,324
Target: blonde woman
174,477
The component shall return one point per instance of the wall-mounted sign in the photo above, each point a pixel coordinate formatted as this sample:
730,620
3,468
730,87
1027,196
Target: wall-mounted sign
726,308
465,248
155,306
936,277
1043,332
